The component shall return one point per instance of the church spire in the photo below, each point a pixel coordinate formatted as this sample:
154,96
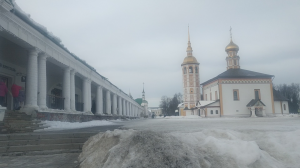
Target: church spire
189,49
143,93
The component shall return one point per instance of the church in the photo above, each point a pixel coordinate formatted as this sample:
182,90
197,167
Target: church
143,102
235,93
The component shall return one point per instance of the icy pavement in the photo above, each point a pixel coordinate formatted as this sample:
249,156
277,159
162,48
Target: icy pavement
198,142
58,125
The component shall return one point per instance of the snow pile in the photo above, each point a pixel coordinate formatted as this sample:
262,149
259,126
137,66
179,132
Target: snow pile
58,125
287,115
181,117
205,149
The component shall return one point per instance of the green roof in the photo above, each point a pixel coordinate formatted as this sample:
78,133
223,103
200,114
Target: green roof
139,100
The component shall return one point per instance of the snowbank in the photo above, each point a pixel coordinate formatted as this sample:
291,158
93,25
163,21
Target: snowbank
58,125
180,117
206,149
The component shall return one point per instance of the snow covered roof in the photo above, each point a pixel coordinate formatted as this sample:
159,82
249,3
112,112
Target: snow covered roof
207,103
239,73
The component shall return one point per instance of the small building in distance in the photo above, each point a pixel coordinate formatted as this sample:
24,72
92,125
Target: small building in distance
143,102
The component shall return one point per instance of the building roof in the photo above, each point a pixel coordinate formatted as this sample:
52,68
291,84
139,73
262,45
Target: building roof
254,101
238,73
278,96
204,104
140,101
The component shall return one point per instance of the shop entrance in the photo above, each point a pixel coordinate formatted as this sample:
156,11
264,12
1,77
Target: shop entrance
5,100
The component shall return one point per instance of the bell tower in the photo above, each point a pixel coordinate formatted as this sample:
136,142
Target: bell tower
191,81
233,60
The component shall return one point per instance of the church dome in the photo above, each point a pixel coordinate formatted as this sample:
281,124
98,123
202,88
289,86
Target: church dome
232,47
190,60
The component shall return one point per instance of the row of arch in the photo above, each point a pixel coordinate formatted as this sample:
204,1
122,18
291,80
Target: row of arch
191,70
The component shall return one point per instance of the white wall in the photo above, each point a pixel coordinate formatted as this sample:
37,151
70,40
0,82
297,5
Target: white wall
214,112
211,88
280,104
246,94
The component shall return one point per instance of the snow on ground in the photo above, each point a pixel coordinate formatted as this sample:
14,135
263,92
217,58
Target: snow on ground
198,142
58,125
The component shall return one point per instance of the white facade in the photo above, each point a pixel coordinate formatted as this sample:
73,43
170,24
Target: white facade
246,93
281,107
211,92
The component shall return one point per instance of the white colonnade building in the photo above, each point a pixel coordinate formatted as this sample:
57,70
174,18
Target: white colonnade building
54,79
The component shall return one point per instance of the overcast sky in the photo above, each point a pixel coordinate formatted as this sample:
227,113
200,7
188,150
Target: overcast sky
136,41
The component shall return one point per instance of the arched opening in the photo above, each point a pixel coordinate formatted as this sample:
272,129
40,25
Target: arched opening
284,107
196,69
184,70
190,69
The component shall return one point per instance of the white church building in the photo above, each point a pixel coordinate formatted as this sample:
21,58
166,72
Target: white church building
235,92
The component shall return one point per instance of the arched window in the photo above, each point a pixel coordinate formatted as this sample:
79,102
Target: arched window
196,69
284,107
190,69
184,70
217,111
211,112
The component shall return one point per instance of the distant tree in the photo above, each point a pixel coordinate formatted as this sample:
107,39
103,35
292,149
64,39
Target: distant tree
164,104
292,93
169,105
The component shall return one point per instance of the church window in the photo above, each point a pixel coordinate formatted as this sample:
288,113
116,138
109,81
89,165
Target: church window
206,97
191,90
184,70
190,69
211,112
235,94
196,69
257,94
284,108
217,111
216,95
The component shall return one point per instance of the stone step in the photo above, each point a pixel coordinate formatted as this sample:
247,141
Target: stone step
32,136
42,141
26,148
23,123
44,152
